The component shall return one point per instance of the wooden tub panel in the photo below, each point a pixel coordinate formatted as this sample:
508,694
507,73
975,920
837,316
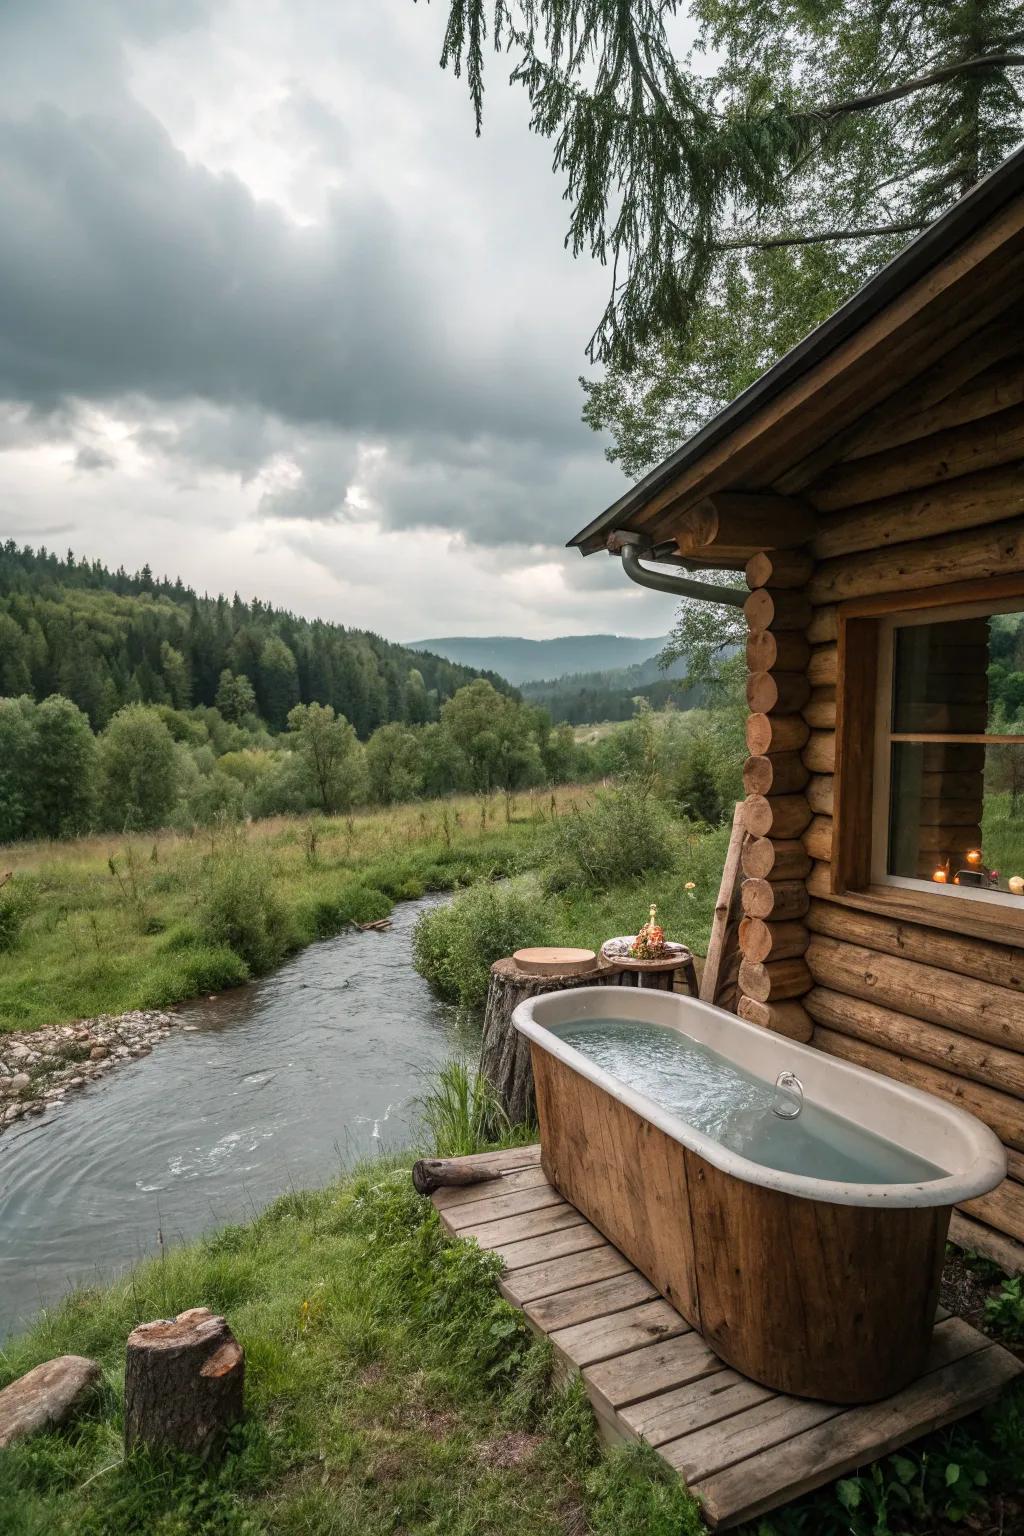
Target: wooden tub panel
626,1176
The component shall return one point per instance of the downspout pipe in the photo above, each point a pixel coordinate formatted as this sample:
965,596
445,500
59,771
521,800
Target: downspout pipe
666,581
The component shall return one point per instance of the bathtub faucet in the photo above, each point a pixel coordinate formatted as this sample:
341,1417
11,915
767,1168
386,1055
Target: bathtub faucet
789,1096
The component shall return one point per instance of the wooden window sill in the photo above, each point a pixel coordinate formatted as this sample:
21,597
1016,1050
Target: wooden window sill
998,925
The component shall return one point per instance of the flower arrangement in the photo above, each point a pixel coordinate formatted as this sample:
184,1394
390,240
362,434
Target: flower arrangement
649,943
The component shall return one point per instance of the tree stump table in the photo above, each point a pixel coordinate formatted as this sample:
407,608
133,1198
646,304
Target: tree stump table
504,1053
183,1383
660,974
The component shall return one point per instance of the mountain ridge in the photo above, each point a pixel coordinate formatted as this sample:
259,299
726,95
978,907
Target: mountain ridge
520,660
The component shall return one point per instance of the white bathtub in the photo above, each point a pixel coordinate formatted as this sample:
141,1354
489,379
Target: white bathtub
813,1286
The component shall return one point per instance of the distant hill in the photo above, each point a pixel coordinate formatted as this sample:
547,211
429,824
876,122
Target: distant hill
529,661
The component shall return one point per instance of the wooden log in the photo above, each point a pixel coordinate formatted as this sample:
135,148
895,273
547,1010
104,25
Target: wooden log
975,1237
183,1383
980,445
819,752
781,568
932,1043
778,773
980,1009
983,554
737,519
789,1018
823,667
820,709
783,816
783,650
763,941
781,900
775,980
768,608
1002,964
775,733
1002,1208
824,625
996,390
775,859
818,839
821,794
777,692
1003,1114
504,1052
430,1173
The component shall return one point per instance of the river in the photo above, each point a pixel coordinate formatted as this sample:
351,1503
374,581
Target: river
277,1085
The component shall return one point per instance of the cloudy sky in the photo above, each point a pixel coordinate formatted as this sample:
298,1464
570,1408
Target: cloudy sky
271,318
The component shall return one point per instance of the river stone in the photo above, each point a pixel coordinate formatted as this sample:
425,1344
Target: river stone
20,1080
46,1397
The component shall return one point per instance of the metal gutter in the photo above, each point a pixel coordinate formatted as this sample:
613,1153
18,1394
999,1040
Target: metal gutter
950,230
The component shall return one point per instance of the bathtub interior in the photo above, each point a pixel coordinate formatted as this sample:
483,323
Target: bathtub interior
965,1155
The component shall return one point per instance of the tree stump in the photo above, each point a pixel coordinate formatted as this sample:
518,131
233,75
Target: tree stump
504,1052
183,1380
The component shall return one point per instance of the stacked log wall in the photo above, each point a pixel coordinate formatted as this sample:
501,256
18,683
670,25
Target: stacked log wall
928,494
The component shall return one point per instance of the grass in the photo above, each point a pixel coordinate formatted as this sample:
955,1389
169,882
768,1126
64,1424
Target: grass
107,924
389,1389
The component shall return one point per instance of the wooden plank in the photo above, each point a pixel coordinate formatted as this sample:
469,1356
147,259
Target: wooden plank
563,1274
468,1194
757,1429
518,1202
671,1415
603,1338
781,1473
724,920
644,1372
537,1250
601,1298
976,1237
516,1229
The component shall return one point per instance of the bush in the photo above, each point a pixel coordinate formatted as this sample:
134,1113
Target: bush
239,908
620,837
454,946
16,904
462,1115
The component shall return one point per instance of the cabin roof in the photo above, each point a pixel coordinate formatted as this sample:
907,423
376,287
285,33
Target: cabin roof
828,380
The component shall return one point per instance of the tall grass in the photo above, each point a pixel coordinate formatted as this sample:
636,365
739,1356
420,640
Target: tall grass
120,923
462,1114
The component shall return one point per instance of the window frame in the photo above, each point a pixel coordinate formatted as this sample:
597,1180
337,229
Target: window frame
857,873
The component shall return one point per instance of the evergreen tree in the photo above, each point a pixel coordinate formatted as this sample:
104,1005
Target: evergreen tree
235,697
277,686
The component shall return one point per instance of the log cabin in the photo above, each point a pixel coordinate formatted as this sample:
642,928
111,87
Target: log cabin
871,487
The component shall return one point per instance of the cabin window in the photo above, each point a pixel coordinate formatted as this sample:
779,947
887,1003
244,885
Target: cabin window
949,753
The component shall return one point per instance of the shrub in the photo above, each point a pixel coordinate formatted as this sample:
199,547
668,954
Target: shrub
615,840
454,946
239,907
16,904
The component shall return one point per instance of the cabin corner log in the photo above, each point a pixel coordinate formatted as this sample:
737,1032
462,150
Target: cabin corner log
777,773
781,816
779,650
504,1052
779,900
775,859
183,1383
736,520
768,608
774,980
760,940
789,1018
783,693
768,734
782,568
821,709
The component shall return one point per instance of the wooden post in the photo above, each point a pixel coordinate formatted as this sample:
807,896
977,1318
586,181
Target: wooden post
504,1052
726,917
183,1381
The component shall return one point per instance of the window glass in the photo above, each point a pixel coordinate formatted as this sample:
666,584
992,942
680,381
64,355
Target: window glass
956,754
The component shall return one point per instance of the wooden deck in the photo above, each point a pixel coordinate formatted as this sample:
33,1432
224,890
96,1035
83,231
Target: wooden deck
741,1449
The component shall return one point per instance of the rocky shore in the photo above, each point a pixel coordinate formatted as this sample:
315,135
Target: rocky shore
39,1069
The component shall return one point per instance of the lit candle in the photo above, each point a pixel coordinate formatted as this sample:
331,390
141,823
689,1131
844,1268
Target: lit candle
940,877
1016,884
974,855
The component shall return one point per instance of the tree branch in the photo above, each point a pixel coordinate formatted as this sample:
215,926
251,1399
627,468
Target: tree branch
774,242
975,65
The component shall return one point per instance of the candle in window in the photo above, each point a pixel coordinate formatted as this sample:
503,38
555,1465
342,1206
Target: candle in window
1016,884
974,856
940,877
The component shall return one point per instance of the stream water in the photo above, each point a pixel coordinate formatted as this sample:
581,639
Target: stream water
274,1086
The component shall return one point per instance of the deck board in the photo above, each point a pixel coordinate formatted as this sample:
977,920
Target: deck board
742,1449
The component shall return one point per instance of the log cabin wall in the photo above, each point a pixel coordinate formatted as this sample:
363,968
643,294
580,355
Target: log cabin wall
927,495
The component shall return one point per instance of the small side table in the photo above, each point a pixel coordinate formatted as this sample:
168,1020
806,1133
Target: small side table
659,974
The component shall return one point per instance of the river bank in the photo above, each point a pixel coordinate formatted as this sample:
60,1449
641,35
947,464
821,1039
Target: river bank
39,1069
